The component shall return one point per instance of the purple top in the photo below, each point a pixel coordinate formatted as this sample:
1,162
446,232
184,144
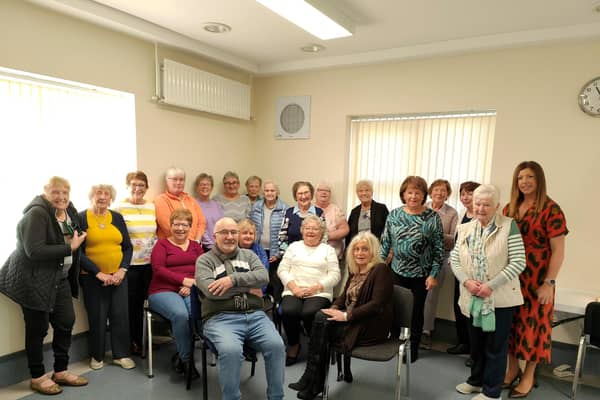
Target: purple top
213,212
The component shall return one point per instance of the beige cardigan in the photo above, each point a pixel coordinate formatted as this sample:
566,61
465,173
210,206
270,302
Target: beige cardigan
504,266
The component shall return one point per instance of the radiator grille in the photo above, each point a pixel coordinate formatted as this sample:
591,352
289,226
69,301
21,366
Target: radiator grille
189,87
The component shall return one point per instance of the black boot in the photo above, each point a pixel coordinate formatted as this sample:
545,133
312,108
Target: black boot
317,380
347,371
304,380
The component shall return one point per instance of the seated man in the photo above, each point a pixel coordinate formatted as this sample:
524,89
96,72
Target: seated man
230,279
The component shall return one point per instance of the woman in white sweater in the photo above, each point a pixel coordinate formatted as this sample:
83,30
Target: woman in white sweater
308,271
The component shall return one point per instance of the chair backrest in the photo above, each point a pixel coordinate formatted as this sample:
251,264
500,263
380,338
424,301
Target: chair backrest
403,306
591,324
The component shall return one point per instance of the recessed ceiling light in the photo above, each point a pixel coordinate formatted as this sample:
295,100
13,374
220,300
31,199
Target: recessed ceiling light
312,48
216,27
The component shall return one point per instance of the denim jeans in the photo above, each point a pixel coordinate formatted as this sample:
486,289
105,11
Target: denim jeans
228,332
177,310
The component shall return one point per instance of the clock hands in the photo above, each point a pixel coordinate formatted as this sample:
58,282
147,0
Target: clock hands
597,90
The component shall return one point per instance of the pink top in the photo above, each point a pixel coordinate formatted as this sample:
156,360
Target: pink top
170,264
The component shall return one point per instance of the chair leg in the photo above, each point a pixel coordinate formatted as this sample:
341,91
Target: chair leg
253,368
144,334
399,361
579,364
149,324
326,383
204,375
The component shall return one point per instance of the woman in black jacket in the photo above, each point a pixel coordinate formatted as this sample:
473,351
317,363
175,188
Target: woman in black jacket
369,215
41,276
360,316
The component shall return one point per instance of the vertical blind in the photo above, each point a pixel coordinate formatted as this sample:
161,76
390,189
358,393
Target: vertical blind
456,147
53,127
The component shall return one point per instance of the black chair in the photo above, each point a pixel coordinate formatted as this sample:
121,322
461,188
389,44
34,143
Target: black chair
398,344
589,337
206,344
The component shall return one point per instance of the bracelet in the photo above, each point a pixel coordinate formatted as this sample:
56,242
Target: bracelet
345,316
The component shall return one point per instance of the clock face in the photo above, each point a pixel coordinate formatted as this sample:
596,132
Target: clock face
589,97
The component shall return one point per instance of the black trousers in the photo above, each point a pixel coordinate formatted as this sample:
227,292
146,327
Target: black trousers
417,287
295,310
62,319
106,304
462,322
275,287
138,281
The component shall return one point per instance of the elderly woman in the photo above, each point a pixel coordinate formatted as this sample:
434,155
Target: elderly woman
414,234
235,206
212,210
337,227
462,323
253,184
247,240
439,191
369,215
41,276
105,259
267,215
360,316
174,266
487,260
309,270
303,193
173,198
140,219
543,227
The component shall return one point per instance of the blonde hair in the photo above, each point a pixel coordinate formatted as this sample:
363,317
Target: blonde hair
372,242
56,181
246,224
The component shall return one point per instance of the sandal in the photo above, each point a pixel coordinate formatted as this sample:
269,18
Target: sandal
65,381
50,390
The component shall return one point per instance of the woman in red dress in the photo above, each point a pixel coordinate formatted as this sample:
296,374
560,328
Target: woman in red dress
543,226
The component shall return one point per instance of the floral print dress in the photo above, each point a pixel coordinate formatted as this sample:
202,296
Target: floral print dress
531,337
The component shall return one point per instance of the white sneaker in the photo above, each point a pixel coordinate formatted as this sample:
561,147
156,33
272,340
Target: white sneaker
482,396
96,364
125,362
466,388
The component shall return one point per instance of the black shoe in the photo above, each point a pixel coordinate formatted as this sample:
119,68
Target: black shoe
469,362
291,360
310,392
460,348
193,371
302,383
177,364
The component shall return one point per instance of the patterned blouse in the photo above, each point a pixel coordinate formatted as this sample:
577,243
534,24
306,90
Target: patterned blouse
417,242
356,282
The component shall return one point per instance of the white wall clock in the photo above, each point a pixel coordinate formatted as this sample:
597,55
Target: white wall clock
589,97
292,117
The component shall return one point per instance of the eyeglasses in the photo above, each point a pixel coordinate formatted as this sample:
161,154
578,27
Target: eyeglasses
312,228
180,225
231,183
177,179
138,185
227,232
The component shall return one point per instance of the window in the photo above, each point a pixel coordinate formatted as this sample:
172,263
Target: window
50,127
456,147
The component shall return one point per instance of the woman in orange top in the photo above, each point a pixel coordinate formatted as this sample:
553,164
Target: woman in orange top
106,255
174,198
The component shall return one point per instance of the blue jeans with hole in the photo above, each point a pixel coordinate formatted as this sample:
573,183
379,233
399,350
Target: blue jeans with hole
177,310
228,332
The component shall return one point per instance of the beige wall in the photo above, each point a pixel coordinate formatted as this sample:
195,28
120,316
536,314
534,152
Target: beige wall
533,89
44,42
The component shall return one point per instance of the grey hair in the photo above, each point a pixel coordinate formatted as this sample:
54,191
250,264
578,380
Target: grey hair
271,183
364,182
174,171
313,218
489,191
102,186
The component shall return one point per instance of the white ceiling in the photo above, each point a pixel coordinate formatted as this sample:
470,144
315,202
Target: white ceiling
262,42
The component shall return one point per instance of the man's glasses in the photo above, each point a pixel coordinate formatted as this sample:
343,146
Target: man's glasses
227,232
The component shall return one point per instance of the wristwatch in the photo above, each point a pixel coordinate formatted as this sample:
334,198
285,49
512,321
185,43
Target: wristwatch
550,282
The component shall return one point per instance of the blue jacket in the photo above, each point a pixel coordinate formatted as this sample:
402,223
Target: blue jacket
257,216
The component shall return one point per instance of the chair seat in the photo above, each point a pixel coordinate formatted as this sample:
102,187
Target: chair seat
380,352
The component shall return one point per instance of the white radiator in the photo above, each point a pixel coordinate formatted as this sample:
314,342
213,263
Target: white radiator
188,87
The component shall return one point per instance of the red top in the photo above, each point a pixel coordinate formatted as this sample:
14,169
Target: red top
170,264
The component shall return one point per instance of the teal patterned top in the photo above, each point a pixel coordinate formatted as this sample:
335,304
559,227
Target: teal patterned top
417,242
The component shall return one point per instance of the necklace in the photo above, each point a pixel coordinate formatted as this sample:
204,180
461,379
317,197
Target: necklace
101,221
61,218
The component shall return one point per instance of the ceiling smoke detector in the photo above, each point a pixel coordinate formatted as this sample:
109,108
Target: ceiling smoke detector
216,27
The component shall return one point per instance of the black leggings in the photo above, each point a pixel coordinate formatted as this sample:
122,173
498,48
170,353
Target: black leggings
295,310
419,292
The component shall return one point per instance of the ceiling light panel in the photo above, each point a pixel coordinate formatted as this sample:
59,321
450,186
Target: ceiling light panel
317,17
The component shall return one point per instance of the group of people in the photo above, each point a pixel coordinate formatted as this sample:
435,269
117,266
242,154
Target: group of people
329,276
